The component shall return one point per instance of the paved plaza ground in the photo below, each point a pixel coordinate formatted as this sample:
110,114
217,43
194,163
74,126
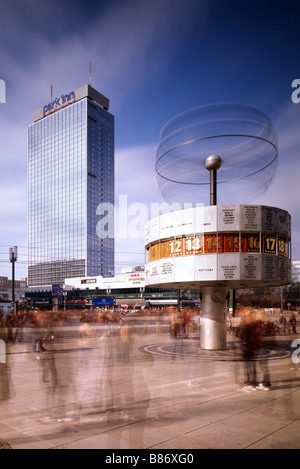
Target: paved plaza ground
141,393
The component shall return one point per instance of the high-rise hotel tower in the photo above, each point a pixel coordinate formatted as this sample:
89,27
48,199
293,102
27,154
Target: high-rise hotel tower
70,174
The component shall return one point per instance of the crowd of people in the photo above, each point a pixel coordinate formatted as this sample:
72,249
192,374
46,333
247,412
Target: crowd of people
183,322
282,326
115,335
28,325
66,355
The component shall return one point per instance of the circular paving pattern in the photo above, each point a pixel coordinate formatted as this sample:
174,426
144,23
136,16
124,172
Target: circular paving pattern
190,349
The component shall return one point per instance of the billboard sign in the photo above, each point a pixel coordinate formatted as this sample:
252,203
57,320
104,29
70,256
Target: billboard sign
103,301
57,291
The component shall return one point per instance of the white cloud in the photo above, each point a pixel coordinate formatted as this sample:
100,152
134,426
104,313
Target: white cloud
135,167
13,208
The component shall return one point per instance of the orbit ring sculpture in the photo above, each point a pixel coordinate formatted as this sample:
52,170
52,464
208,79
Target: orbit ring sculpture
242,135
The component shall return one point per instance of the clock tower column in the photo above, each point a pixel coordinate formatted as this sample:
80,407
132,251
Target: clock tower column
213,316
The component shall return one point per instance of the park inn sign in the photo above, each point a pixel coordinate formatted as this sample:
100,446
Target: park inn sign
59,103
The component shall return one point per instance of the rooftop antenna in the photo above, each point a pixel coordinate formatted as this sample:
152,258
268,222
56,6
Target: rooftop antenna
51,94
90,74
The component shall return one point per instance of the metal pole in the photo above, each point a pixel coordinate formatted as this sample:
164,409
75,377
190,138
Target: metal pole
13,282
13,254
212,164
213,187
179,300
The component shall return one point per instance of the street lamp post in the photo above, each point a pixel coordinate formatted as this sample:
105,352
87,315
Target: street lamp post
13,255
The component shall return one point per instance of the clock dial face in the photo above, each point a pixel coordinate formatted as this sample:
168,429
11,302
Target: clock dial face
216,296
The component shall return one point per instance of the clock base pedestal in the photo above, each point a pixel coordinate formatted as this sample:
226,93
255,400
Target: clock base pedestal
213,318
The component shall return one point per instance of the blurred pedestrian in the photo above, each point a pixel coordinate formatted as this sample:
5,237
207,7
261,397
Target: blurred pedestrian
10,320
248,338
262,351
282,323
125,342
5,372
84,343
48,361
159,321
186,322
254,352
20,323
176,334
34,329
293,323
147,318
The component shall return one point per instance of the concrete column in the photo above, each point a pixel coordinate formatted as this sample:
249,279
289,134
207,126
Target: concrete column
213,324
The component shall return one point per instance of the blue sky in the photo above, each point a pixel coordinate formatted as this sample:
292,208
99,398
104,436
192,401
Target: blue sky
152,59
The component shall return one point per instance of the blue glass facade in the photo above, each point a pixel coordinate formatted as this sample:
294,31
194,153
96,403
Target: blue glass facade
70,172
100,187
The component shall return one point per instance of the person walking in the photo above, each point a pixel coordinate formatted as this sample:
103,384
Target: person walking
248,338
293,323
282,323
84,343
186,322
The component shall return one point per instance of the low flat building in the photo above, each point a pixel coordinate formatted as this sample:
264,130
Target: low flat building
124,290
6,289
6,293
